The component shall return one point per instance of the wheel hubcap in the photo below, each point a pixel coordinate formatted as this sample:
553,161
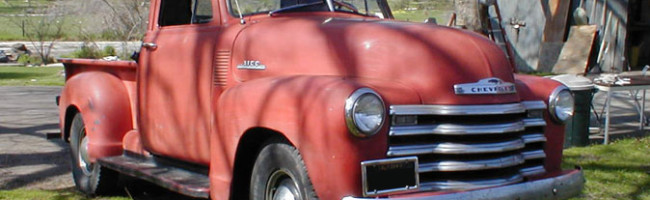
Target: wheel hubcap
84,159
282,187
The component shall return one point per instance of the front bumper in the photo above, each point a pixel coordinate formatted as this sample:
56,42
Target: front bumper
567,185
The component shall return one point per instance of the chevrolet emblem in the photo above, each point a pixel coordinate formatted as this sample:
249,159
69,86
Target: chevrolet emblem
486,86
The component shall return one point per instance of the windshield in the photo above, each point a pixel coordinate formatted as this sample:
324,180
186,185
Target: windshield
373,8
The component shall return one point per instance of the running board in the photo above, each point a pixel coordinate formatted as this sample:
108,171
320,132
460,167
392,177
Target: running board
173,178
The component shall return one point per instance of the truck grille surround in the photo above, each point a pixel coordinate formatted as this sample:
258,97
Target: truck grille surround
470,146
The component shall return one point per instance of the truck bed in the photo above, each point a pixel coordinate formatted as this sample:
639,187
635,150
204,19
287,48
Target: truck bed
125,70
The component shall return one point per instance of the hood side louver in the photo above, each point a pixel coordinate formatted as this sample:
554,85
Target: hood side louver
222,61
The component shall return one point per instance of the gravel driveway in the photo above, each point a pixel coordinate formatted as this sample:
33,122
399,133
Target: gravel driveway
27,158
30,161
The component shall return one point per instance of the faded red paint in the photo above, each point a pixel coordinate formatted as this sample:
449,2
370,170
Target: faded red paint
536,88
170,104
103,99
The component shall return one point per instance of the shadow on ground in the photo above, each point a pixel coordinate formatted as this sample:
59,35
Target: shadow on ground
40,160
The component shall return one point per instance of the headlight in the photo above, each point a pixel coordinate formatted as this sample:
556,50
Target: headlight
561,104
364,112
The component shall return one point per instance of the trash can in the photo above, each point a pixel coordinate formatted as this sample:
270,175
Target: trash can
577,127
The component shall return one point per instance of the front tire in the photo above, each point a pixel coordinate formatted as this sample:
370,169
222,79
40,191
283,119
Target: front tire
279,173
90,178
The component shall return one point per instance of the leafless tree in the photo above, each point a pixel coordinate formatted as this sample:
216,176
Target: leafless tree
123,20
127,19
42,26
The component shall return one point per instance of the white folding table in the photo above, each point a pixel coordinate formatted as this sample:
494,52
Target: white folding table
636,83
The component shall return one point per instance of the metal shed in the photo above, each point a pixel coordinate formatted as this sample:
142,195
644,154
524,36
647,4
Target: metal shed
538,29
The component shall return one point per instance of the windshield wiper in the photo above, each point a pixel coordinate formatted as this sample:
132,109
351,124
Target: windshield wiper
293,7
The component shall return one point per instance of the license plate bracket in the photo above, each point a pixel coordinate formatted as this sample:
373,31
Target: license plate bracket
390,176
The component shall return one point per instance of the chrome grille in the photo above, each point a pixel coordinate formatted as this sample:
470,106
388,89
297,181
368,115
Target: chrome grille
470,146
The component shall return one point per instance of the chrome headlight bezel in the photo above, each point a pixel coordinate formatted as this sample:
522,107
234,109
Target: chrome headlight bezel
557,104
352,107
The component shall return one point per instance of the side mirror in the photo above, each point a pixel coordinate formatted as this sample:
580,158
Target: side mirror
135,56
431,20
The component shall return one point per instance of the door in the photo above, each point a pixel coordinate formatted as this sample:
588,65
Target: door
174,80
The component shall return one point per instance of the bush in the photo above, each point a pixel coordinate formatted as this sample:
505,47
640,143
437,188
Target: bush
109,35
86,52
23,59
92,52
26,59
109,51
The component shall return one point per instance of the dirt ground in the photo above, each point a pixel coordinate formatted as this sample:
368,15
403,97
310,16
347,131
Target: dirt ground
27,158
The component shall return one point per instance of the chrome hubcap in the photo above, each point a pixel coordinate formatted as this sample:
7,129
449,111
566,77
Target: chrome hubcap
282,187
84,159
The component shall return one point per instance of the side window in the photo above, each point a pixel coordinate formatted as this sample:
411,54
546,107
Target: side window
418,11
179,12
366,7
202,11
260,6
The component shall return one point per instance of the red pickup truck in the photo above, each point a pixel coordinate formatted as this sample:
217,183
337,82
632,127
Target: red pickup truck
307,99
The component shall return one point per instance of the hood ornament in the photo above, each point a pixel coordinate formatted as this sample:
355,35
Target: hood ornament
486,86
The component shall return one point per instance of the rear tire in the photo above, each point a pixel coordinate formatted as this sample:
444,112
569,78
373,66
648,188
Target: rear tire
90,178
279,173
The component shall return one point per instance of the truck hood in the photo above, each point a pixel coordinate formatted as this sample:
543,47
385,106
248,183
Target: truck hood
428,59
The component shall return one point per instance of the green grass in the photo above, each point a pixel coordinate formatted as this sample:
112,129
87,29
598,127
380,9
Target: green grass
442,16
12,15
66,194
18,6
620,170
10,30
31,76
536,73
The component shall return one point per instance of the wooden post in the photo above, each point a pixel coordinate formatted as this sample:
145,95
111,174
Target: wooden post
556,13
556,19
471,15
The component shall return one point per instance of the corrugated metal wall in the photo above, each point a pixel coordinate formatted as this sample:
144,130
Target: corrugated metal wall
526,40
610,16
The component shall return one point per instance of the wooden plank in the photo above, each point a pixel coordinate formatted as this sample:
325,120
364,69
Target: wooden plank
574,57
556,12
548,55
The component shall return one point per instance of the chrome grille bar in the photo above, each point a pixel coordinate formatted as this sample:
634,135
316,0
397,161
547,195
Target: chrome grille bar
456,148
457,110
534,105
533,138
532,171
458,129
470,184
532,122
446,166
537,154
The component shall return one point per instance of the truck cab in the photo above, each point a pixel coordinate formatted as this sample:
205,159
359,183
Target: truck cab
308,99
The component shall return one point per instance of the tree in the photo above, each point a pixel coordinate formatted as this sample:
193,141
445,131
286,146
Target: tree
129,18
42,26
122,20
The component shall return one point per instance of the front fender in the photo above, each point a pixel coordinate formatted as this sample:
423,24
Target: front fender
309,112
537,88
102,100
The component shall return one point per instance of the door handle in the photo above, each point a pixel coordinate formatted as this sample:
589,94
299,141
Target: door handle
150,45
